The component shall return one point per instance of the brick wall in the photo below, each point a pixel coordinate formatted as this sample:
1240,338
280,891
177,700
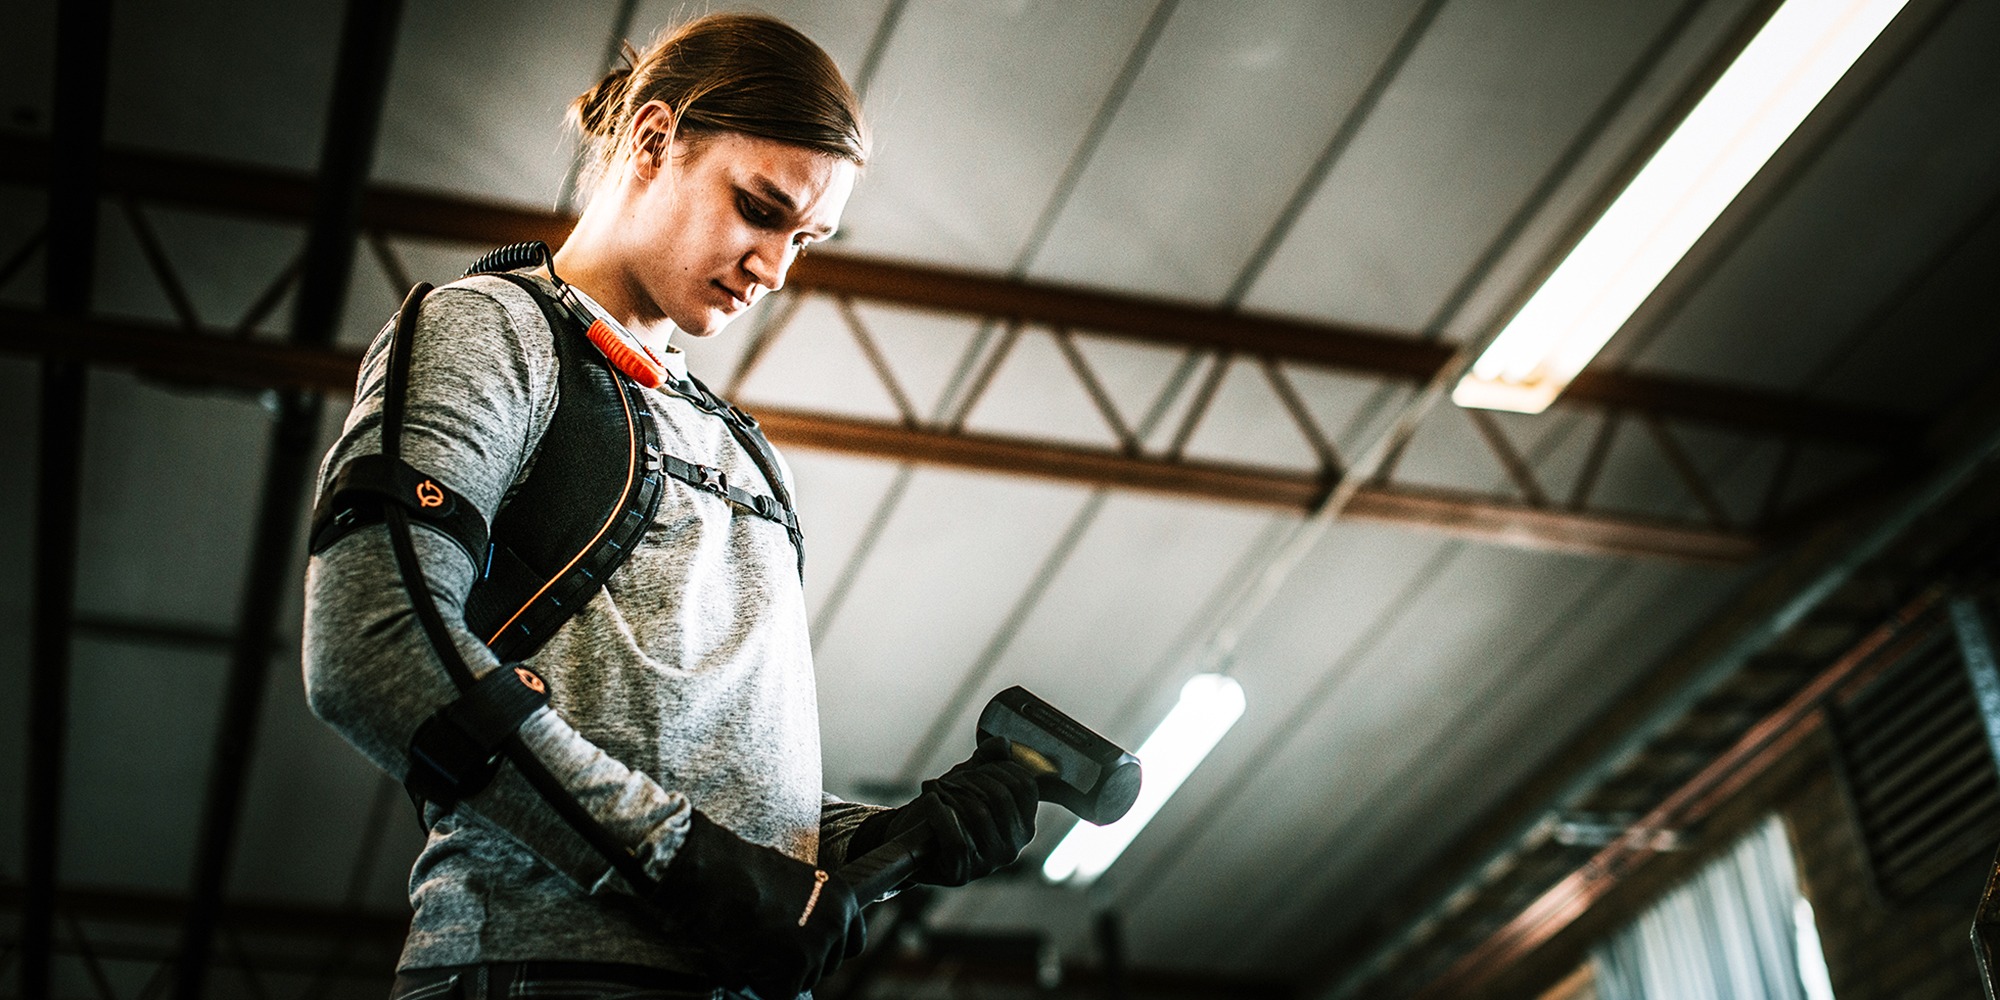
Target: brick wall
1873,951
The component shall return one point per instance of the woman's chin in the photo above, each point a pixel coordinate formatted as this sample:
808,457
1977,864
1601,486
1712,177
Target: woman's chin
706,323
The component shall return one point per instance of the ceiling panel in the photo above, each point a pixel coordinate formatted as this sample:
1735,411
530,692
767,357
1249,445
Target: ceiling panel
250,83
959,551
1585,169
1882,369
1035,393
159,467
1175,200
817,364
1477,114
1354,576
141,734
1333,845
310,797
1109,630
836,496
1860,221
956,176
477,96
1247,424
1367,712
1624,619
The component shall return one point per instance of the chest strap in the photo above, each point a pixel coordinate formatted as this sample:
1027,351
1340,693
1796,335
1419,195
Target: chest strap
713,480
743,427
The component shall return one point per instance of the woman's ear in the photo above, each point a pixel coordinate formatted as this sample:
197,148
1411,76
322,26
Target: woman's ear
652,137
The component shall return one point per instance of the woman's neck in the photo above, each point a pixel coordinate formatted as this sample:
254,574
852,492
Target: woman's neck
591,260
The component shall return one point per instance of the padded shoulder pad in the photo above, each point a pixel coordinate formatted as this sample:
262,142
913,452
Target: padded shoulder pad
366,482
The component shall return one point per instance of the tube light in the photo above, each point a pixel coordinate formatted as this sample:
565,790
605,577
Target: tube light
1210,704
1795,59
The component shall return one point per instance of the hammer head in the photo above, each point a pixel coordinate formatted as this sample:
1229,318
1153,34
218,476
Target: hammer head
1076,768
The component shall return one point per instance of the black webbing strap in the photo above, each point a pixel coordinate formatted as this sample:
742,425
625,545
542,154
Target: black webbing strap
743,427
396,390
713,480
368,483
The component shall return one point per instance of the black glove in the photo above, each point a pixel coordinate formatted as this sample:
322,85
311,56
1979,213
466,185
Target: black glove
766,921
980,814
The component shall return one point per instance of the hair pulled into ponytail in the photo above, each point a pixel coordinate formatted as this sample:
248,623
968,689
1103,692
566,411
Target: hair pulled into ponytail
745,73
595,111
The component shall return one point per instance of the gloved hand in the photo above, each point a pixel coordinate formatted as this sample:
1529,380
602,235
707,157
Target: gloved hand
766,921
980,814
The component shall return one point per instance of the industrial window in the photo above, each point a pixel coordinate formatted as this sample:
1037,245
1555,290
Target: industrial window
1738,930
1916,762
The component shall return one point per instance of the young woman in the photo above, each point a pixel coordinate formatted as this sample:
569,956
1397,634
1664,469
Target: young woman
682,714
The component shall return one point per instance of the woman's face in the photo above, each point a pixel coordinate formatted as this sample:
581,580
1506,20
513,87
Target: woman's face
716,229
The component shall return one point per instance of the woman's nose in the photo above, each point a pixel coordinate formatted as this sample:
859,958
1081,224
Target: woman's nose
767,263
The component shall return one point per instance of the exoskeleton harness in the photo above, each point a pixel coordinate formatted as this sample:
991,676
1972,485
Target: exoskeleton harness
594,486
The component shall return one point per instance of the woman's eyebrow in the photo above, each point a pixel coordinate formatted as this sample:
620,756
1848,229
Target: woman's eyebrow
785,201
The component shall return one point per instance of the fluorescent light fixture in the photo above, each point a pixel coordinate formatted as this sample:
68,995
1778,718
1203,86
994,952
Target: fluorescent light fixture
1209,705
1801,52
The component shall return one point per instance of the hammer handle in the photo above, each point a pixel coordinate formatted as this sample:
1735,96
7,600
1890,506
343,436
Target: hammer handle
880,871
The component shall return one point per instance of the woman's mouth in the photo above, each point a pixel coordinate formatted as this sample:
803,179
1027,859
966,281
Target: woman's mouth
736,302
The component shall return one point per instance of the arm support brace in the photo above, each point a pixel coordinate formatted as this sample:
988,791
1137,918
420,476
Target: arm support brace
456,751
367,483
474,718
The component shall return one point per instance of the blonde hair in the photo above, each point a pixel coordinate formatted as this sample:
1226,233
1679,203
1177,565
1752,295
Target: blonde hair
745,73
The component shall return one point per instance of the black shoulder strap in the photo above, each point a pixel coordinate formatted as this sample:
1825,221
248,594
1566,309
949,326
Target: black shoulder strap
592,490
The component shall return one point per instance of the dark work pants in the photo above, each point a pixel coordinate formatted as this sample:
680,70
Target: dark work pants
550,981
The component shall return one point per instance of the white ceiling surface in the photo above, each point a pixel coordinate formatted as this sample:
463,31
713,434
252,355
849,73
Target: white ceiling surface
1789,308
1401,683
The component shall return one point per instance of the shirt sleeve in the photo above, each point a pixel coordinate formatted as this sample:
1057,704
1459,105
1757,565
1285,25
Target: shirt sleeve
481,391
837,822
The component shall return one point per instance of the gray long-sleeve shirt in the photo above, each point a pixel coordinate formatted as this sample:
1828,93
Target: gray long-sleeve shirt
685,683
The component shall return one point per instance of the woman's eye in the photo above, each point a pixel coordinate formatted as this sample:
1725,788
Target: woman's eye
756,214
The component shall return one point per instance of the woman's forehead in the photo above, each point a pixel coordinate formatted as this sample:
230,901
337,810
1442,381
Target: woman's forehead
809,185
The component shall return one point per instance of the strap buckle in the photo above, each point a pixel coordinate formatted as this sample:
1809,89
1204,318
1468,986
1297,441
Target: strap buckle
713,480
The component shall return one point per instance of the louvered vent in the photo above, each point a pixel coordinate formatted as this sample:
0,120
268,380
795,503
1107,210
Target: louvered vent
1919,771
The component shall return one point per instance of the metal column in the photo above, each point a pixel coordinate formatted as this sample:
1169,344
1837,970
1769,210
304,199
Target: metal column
360,86
83,41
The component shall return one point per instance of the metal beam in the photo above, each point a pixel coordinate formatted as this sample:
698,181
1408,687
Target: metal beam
361,83
83,41
225,361
270,193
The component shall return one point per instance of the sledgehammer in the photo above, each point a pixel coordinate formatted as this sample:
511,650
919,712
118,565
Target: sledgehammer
1073,767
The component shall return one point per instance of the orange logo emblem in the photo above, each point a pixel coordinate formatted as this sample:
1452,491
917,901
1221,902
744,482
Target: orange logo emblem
429,495
528,677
